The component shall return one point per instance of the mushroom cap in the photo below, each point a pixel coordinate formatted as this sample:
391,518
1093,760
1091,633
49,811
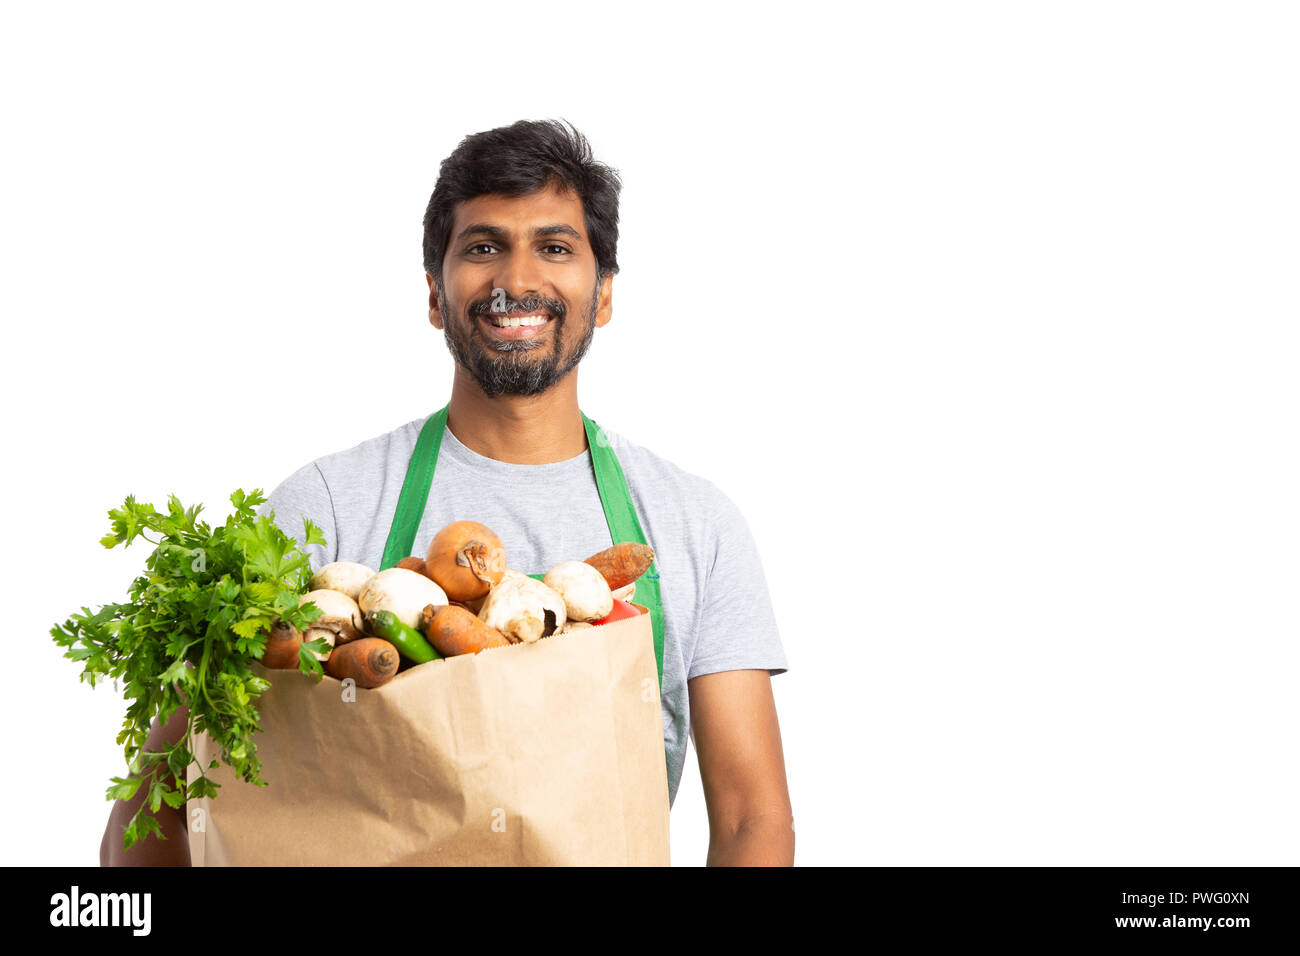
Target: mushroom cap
404,592
517,608
339,614
585,592
348,577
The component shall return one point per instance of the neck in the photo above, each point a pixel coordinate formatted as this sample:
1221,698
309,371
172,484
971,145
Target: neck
518,429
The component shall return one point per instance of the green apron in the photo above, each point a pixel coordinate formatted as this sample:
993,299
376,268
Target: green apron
620,513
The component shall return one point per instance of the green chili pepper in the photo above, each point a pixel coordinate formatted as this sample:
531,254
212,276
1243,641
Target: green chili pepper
409,642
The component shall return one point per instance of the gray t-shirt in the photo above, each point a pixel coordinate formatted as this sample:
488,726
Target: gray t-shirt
717,613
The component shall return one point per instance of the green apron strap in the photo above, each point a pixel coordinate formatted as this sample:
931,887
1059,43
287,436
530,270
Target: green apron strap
415,490
620,515
615,499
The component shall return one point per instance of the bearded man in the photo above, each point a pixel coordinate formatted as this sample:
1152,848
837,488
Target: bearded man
520,254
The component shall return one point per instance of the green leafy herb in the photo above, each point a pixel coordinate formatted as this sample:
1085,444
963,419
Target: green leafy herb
196,618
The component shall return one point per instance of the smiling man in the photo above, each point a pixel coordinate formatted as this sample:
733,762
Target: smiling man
520,240
519,346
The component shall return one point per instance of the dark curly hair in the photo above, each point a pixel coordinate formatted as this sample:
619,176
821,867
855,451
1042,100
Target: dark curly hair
517,160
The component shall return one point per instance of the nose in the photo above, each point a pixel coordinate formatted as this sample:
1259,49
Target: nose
519,275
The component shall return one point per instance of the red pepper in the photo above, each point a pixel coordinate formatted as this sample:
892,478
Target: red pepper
621,611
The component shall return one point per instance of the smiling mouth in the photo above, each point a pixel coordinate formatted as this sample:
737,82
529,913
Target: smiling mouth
518,330
515,320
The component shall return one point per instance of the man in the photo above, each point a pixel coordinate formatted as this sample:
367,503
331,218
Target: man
520,247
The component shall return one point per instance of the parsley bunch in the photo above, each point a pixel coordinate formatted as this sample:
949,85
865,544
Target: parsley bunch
197,617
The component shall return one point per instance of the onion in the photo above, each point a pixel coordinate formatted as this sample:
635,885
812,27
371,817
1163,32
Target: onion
466,559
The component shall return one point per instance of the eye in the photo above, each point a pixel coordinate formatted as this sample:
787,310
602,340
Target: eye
553,248
473,250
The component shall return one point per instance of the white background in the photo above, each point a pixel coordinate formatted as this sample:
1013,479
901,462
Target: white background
984,314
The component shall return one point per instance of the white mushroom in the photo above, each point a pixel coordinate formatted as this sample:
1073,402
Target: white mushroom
339,621
346,576
523,608
404,592
586,594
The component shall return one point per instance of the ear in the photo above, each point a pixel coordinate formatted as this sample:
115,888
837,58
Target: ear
605,305
435,313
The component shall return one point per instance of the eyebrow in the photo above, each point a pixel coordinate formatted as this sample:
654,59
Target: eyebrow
496,232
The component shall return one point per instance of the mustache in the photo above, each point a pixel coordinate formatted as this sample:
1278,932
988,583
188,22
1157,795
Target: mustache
529,303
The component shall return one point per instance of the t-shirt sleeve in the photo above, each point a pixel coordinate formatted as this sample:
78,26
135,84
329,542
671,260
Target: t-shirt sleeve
304,494
736,629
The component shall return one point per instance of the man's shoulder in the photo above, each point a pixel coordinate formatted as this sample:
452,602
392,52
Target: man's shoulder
655,475
346,465
396,442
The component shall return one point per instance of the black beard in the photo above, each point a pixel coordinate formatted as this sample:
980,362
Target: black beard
511,368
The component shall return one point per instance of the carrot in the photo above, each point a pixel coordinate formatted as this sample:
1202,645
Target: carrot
454,630
282,647
370,661
413,564
623,563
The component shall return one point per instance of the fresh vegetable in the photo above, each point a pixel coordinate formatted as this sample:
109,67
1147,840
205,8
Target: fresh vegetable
620,612
348,577
467,559
282,647
623,563
401,591
409,642
340,619
454,630
473,606
583,588
370,661
192,625
413,564
523,608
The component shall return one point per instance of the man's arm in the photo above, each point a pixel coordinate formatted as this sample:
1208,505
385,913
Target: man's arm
742,767
151,851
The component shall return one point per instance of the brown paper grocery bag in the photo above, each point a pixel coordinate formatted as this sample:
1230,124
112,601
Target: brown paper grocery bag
535,754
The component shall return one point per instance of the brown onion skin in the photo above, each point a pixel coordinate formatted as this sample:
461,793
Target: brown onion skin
483,548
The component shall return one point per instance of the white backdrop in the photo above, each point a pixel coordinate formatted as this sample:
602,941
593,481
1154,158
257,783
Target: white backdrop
984,314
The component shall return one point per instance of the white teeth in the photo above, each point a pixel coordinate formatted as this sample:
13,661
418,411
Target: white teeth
514,322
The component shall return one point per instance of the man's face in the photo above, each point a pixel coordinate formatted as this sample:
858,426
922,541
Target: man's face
535,248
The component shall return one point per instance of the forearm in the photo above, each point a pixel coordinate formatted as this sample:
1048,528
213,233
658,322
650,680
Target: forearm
151,851
758,841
